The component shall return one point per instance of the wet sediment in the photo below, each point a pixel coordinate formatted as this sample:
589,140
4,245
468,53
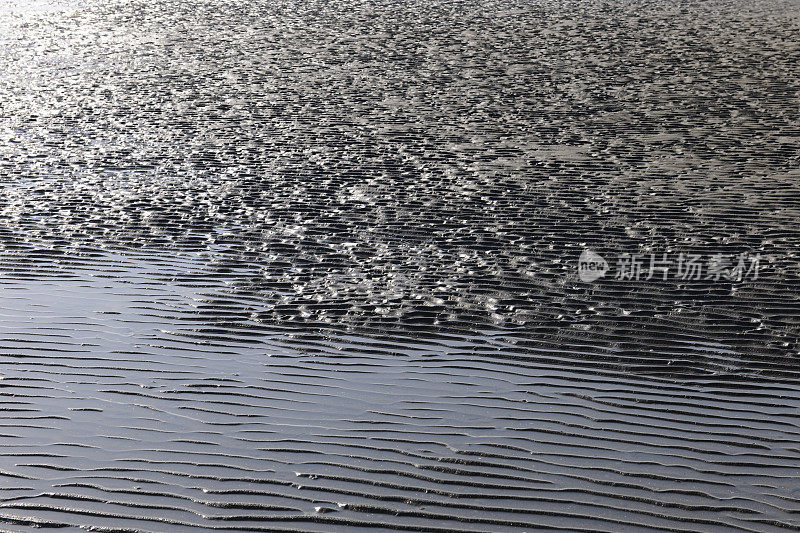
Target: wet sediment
282,266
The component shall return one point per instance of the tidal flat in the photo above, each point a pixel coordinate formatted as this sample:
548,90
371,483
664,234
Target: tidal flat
314,266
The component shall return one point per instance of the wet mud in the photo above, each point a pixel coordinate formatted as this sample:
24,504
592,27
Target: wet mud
284,266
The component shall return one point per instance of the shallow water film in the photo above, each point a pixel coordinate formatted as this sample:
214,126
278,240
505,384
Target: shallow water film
399,266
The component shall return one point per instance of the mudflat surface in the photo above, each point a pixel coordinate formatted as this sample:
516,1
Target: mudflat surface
312,266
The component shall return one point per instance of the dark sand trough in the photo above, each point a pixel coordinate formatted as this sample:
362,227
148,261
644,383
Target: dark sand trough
312,266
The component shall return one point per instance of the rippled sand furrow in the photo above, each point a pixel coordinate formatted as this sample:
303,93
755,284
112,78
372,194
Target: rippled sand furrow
312,267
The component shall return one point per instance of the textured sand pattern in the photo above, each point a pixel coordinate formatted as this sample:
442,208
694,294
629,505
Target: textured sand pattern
311,266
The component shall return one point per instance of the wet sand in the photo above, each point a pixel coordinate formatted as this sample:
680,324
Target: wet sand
313,266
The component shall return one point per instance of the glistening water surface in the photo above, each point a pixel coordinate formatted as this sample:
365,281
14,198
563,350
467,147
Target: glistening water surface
312,266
